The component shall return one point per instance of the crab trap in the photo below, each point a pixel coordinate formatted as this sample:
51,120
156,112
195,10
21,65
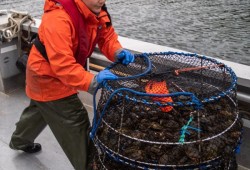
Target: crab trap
168,111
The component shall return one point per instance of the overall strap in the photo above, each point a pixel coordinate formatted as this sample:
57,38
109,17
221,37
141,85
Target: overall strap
83,50
40,47
72,10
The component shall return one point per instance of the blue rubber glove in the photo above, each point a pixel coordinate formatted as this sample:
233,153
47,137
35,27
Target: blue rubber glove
105,75
126,57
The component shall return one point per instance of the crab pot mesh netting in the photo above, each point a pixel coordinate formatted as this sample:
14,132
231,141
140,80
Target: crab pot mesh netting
168,111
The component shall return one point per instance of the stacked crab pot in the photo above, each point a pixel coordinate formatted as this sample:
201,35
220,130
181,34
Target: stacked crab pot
168,111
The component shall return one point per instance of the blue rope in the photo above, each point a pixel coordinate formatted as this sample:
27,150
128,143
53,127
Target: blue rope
237,148
194,100
147,61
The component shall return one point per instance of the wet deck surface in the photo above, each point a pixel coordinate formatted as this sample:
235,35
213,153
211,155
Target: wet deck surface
52,157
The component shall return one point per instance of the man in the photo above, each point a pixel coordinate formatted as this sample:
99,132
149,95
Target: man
69,31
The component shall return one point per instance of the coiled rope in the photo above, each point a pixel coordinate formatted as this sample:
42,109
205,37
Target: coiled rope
14,27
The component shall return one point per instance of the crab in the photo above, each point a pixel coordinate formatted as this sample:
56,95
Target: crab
134,152
192,153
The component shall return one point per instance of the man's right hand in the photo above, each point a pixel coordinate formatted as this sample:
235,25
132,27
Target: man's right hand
125,57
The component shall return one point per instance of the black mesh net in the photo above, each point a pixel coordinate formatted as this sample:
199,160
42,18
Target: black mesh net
181,113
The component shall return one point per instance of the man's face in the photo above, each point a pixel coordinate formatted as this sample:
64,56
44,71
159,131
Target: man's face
94,5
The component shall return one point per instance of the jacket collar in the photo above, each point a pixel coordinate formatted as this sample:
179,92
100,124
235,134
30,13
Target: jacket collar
89,15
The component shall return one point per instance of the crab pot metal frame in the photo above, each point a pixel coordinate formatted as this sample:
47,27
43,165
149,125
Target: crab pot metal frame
196,124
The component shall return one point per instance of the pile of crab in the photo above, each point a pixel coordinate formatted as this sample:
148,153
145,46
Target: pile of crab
139,128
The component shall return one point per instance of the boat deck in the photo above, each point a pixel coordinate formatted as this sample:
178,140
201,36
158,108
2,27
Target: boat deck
52,157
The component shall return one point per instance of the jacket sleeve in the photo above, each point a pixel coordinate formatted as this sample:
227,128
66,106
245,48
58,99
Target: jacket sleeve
108,43
59,39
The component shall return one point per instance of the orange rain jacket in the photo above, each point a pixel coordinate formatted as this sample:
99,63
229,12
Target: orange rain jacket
62,76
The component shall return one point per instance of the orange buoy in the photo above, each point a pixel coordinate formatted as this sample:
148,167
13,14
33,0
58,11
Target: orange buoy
159,87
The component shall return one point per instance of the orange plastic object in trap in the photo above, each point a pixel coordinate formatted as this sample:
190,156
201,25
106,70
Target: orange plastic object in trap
159,87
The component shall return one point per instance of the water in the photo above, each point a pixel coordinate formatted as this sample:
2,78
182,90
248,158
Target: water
217,28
